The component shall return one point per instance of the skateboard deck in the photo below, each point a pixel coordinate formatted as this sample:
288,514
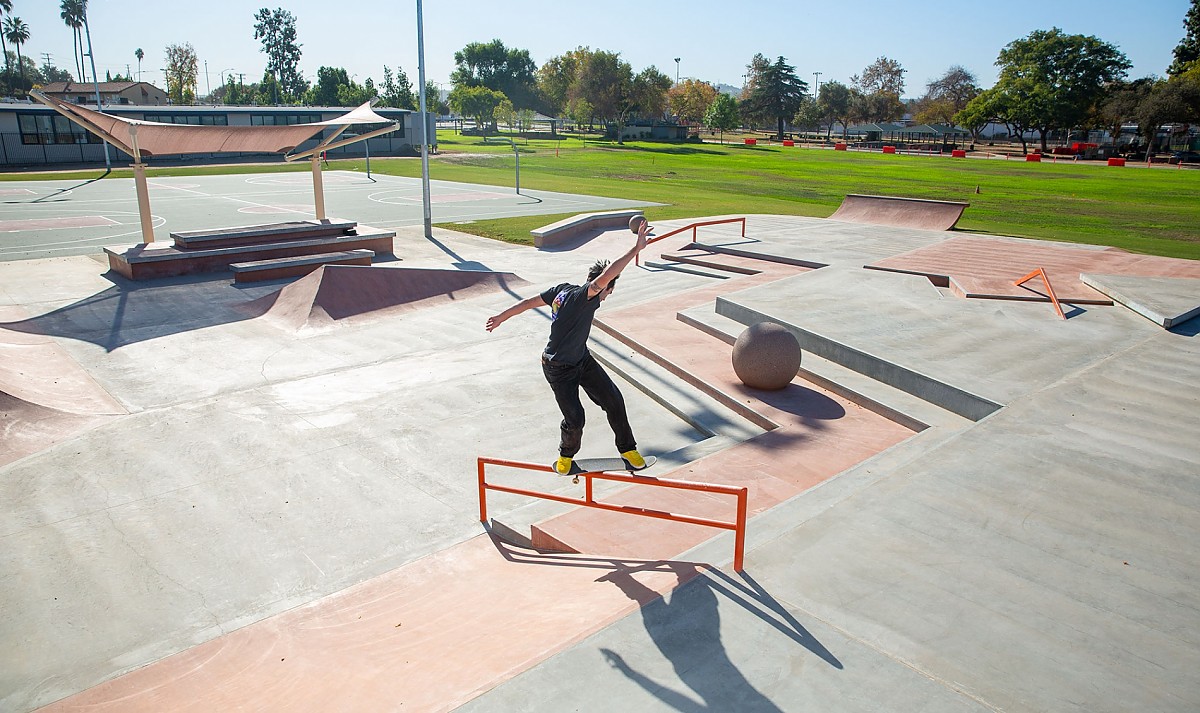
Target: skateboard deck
597,465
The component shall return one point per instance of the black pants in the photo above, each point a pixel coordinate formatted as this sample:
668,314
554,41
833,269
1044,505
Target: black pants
566,380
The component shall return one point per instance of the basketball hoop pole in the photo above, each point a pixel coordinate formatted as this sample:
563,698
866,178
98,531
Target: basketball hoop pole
424,118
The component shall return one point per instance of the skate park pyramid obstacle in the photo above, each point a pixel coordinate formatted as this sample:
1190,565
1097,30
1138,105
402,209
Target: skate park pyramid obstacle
349,293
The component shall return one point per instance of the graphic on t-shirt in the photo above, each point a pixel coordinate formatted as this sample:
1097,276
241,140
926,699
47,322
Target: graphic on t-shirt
557,303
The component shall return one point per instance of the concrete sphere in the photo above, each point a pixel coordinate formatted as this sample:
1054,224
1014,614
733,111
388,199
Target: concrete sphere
636,222
766,356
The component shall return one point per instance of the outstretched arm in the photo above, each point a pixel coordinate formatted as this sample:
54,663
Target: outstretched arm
616,266
522,306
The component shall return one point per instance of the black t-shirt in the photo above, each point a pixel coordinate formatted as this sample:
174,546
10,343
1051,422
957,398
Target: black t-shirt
571,322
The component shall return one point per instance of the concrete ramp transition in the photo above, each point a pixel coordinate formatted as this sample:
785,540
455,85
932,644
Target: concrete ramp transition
919,213
45,396
348,293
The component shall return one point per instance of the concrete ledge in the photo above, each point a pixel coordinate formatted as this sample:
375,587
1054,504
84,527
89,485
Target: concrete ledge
296,265
1166,301
562,231
950,398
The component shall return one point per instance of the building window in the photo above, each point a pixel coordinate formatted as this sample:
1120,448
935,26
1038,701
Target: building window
283,119
193,119
52,129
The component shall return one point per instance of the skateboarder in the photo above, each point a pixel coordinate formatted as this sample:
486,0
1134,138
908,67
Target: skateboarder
566,361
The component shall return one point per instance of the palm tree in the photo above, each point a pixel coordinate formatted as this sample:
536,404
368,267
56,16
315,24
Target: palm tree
5,6
136,53
72,14
17,32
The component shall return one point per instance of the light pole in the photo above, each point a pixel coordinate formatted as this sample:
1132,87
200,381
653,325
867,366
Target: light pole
677,70
817,80
96,82
424,125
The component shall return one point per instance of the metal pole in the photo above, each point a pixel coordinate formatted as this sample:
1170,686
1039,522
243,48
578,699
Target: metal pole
95,83
424,117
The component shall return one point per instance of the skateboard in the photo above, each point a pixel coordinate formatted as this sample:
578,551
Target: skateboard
597,465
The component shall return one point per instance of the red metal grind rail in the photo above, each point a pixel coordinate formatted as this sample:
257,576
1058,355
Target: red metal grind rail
638,259
738,526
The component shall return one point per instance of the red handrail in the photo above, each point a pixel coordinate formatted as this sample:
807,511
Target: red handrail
1049,288
738,526
692,227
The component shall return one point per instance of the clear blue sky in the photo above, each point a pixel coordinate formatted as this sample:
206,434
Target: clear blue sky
714,40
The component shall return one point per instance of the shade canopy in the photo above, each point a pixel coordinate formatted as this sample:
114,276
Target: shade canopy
154,138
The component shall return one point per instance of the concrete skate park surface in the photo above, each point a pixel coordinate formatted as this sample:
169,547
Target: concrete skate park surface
959,504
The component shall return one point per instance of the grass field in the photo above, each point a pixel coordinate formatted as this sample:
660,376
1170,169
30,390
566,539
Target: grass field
1152,211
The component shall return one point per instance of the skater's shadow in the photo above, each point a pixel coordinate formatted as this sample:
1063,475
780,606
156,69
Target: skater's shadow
685,626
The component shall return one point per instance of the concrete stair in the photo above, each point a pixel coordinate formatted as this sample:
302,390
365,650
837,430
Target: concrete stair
198,252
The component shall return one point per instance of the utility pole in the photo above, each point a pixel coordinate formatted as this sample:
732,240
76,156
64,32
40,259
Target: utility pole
207,81
46,60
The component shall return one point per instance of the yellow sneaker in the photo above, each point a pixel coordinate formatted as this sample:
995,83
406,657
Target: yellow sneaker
634,459
563,465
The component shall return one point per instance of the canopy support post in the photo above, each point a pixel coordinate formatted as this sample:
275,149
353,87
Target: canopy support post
143,192
318,187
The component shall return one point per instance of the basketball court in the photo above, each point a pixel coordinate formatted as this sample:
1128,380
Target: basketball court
60,218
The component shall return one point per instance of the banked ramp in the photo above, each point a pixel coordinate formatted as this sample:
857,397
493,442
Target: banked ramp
920,213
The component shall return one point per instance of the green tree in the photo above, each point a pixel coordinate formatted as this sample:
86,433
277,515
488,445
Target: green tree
17,32
397,90
777,94
1122,105
809,115
556,80
71,12
978,113
5,7
435,102
834,102
722,114
508,71
689,100
277,31
1053,80
1187,52
946,96
139,54
477,102
325,91
649,93
506,113
605,82
1172,101
581,112
181,72
880,85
